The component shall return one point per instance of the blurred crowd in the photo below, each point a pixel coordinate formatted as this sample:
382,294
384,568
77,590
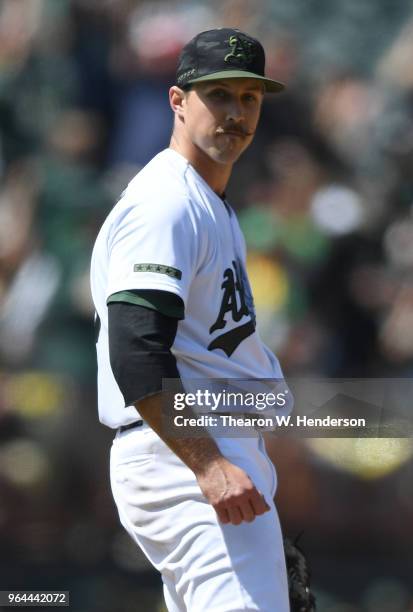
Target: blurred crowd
325,199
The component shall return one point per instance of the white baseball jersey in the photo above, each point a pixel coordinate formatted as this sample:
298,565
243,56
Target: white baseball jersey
170,231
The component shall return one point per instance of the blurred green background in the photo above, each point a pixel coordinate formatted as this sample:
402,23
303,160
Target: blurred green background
324,196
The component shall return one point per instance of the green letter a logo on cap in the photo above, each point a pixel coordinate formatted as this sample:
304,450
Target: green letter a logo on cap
241,50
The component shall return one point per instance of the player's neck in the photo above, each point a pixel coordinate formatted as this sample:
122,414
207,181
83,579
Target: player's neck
215,174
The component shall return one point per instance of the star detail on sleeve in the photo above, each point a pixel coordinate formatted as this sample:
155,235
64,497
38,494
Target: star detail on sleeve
158,269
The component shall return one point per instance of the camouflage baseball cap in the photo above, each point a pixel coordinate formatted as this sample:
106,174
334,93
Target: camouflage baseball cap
223,53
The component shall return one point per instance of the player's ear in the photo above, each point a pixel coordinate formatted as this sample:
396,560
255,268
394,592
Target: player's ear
177,100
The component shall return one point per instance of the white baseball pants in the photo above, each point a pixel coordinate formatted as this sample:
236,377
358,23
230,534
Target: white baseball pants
205,566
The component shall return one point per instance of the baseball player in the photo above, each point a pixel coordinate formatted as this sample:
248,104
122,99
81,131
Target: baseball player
172,300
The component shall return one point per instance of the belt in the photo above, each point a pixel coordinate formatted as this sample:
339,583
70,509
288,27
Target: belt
123,428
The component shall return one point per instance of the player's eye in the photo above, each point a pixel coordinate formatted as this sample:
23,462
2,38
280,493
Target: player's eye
250,98
218,94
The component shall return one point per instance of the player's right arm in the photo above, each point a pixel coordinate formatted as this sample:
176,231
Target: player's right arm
226,486
140,341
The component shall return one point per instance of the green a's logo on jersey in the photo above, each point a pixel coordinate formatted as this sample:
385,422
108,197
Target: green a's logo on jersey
236,300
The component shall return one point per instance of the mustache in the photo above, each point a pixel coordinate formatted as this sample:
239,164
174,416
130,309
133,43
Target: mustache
234,129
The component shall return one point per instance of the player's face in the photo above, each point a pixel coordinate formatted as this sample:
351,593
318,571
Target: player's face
220,117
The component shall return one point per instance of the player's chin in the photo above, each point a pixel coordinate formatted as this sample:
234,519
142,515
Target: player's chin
230,154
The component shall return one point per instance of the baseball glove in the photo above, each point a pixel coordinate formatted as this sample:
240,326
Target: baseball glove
301,598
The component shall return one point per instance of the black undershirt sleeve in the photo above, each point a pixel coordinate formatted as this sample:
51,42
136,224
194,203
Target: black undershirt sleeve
140,341
165,302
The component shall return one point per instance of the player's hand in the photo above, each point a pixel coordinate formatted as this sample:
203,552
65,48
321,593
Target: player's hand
231,492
